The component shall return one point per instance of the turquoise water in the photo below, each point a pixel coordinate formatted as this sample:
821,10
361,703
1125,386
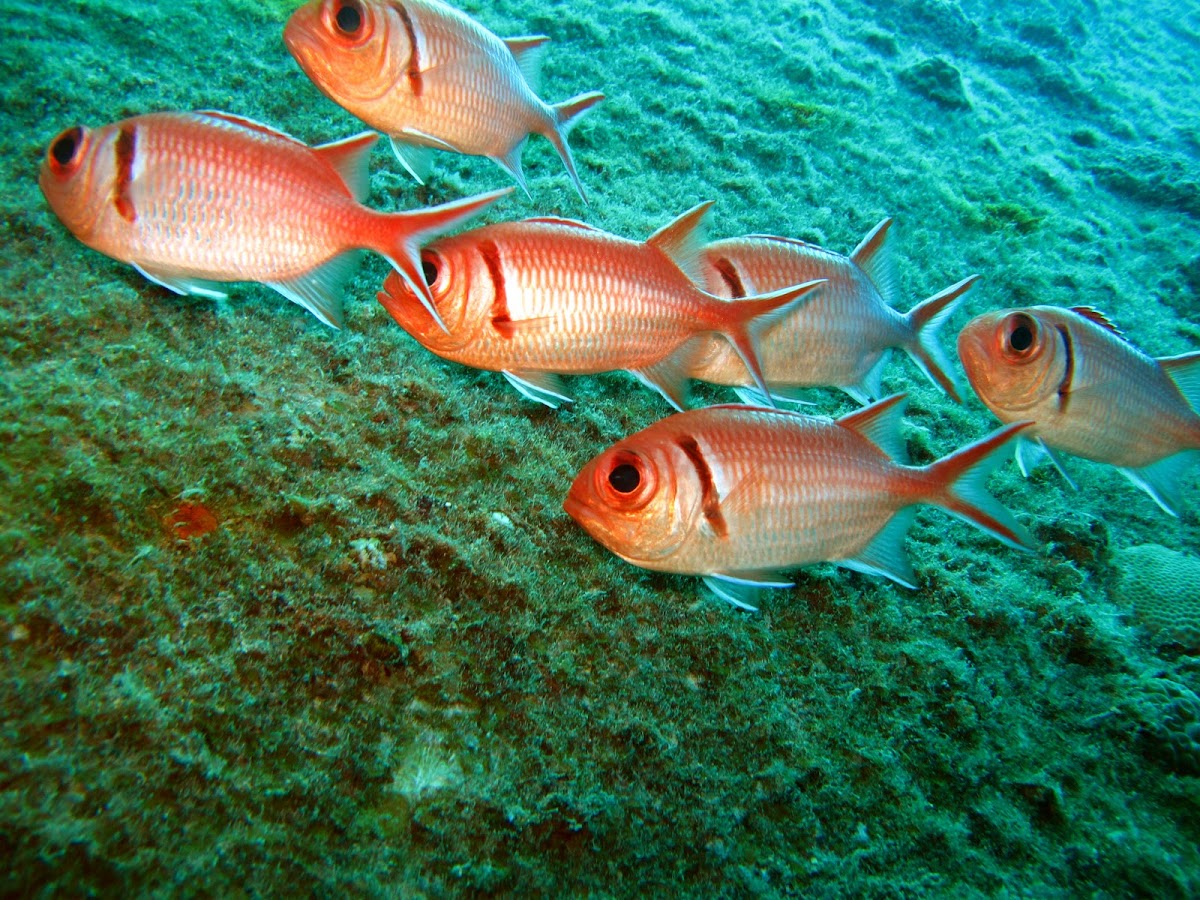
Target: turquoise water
387,663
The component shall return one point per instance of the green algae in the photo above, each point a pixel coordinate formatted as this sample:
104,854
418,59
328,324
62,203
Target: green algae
396,668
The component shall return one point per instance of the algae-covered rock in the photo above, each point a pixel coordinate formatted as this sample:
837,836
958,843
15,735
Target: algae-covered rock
937,80
1162,587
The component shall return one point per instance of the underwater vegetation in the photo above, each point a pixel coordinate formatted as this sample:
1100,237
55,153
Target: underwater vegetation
294,610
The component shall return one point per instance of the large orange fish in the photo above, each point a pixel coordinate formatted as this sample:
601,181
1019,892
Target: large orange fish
1088,391
545,297
196,199
737,494
843,336
432,78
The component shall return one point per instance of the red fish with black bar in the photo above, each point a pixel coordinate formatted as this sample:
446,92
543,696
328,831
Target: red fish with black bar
194,200
432,78
1089,392
843,336
541,298
739,494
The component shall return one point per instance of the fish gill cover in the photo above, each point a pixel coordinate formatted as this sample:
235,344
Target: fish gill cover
288,609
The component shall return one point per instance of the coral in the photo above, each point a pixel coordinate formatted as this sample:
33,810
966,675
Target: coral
1170,724
1162,587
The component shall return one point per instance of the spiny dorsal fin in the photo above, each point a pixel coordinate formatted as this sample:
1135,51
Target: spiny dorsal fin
556,220
249,124
875,259
1094,315
527,51
1185,372
351,159
683,239
879,423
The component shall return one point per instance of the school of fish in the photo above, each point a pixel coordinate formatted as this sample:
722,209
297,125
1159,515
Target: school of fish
738,495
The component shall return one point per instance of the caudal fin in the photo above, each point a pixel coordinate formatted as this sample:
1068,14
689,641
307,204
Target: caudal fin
959,483
566,114
925,319
744,321
406,231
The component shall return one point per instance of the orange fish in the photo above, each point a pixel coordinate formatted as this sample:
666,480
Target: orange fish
737,494
545,297
1089,392
195,199
840,338
432,78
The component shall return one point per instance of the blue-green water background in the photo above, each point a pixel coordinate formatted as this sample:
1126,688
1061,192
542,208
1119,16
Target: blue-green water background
397,668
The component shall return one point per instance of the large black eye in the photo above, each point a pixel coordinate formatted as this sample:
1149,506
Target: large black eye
349,17
625,478
430,268
1020,333
66,145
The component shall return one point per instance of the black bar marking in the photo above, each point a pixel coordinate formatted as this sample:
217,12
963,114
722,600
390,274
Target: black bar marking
728,271
710,503
415,79
1064,387
501,320
126,149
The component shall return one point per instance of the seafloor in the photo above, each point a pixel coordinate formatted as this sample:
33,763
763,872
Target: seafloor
294,611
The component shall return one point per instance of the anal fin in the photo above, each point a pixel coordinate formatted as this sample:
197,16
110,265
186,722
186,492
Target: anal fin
1161,480
320,290
885,554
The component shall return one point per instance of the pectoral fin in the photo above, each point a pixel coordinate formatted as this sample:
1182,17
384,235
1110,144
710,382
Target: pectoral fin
182,284
543,387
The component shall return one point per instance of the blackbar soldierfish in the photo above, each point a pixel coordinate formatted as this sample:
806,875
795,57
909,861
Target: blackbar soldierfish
546,297
842,337
1088,391
737,494
432,78
196,199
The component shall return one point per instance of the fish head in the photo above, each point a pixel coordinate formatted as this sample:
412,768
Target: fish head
1014,359
352,50
459,296
635,499
77,178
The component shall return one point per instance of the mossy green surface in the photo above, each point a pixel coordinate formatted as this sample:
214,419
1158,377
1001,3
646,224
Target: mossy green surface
396,668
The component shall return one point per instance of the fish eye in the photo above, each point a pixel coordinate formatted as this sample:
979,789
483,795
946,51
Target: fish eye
1020,334
66,147
431,267
625,478
349,17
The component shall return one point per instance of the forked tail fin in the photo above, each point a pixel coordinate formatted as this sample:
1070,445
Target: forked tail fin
959,485
743,322
406,231
566,114
925,319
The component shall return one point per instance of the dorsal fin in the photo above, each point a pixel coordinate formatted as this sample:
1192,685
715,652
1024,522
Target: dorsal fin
875,259
683,239
1185,372
556,220
527,51
250,124
879,423
1094,315
351,159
